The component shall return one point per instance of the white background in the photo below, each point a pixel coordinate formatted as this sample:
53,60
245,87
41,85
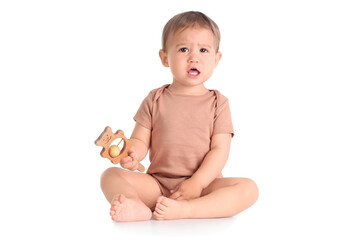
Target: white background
291,70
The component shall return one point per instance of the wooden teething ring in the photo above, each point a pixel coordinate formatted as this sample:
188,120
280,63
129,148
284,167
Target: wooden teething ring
106,138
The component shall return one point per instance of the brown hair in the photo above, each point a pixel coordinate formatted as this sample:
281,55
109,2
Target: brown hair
188,20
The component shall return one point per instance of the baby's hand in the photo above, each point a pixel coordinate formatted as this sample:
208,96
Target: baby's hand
130,162
188,189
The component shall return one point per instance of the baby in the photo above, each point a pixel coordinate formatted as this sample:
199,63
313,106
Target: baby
188,130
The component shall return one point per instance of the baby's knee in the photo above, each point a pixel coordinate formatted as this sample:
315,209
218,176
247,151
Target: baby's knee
111,174
252,190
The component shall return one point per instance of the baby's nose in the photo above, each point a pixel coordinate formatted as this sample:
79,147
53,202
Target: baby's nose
193,58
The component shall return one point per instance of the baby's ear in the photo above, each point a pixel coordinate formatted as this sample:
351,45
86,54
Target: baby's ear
217,58
164,58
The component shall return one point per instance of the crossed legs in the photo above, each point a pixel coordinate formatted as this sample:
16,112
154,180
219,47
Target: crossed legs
133,195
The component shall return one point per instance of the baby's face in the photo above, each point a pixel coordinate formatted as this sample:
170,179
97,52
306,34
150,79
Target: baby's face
191,55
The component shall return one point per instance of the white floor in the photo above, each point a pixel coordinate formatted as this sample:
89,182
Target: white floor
76,209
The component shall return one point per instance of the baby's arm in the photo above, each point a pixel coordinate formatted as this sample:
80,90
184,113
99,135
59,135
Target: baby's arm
140,140
210,169
215,159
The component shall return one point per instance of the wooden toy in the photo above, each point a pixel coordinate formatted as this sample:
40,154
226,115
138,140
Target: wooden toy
113,152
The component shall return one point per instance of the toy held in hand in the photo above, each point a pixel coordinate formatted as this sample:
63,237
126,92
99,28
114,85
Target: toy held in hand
113,152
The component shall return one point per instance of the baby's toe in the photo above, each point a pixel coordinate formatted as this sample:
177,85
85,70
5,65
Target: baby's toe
115,205
166,201
112,213
160,207
159,212
159,199
158,216
122,198
116,197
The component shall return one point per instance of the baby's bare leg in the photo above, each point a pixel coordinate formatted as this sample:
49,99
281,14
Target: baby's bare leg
224,197
131,194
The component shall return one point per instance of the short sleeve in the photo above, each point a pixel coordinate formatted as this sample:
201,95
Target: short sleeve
222,118
144,114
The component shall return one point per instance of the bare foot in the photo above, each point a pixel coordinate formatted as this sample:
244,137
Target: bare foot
128,210
167,209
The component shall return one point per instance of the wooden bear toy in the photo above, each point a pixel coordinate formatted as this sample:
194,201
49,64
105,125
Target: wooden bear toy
113,152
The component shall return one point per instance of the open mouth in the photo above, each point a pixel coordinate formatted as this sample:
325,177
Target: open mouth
194,72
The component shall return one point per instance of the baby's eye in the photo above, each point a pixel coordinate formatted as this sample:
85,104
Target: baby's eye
184,50
203,50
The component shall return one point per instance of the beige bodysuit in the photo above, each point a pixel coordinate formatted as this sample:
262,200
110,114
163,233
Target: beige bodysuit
181,130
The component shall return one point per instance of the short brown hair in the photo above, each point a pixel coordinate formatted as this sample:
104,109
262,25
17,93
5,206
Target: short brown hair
188,20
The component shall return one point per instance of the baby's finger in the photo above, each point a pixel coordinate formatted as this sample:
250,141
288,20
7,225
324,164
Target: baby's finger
132,154
126,163
175,195
126,166
125,160
174,190
134,165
